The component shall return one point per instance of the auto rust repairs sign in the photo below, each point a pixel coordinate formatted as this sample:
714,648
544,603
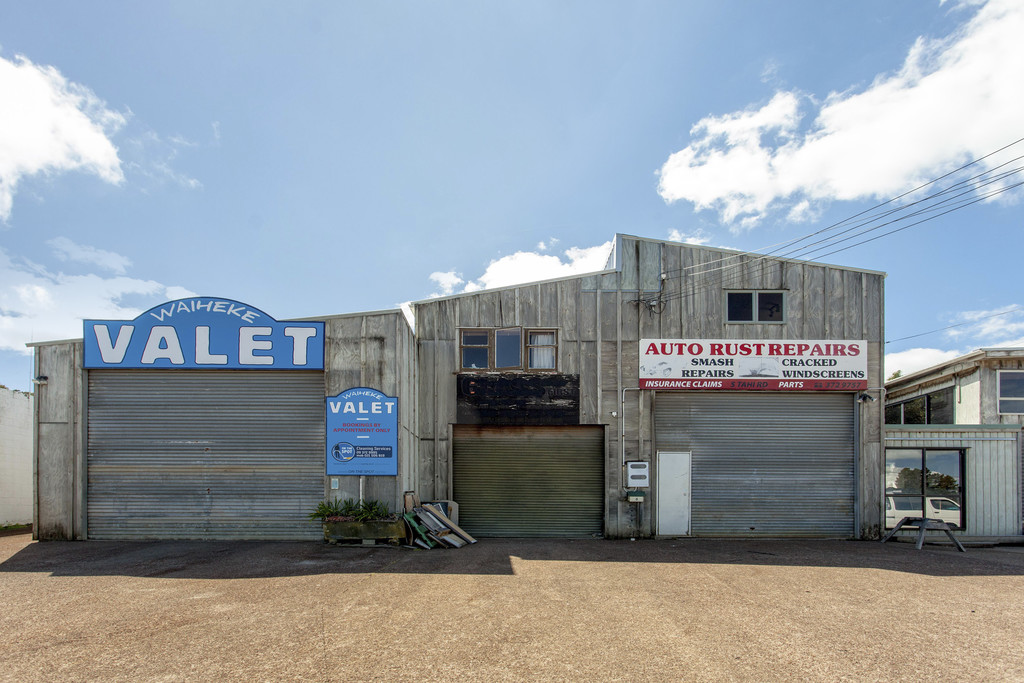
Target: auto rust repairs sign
206,333
362,433
745,365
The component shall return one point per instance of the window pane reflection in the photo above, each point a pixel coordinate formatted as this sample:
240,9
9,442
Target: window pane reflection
508,348
903,470
474,338
924,483
769,306
913,412
740,307
942,473
474,358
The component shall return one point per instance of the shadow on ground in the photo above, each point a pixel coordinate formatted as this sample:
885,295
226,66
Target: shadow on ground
241,559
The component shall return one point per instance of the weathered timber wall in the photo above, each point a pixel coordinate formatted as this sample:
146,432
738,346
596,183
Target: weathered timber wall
59,453
376,350
600,320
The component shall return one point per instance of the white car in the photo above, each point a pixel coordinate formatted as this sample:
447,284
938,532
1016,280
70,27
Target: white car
945,509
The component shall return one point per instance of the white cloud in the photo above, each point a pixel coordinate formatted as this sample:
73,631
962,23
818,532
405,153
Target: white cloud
954,99
997,327
912,360
448,282
149,156
770,71
697,237
38,305
51,125
66,250
968,331
527,266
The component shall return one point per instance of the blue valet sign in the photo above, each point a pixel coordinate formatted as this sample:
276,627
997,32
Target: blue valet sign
204,333
362,433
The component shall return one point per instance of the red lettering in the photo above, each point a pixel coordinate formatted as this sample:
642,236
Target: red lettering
716,350
652,350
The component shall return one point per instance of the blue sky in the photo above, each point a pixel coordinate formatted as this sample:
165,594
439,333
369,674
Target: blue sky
316,158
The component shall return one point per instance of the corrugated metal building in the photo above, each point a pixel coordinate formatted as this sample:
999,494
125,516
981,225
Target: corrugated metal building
734,389
969,476
953,444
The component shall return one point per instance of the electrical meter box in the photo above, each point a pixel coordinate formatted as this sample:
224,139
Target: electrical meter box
638,474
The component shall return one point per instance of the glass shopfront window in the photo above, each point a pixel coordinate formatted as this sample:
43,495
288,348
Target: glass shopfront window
924,482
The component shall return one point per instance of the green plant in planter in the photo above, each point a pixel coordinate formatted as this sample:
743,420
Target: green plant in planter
328,508
347,520
349,510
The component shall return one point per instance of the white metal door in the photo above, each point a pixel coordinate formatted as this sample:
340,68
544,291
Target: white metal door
673,493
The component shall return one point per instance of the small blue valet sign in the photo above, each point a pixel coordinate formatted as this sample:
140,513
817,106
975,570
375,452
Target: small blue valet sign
362,433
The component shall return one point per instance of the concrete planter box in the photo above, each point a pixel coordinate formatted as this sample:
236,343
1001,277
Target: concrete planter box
386,530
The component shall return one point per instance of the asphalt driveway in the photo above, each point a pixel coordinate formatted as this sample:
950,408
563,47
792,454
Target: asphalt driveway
510,610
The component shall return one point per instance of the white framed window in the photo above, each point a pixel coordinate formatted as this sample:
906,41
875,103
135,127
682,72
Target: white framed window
508,349
755,307
1011,392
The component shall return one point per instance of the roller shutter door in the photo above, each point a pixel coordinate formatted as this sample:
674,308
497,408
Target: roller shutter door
764,464
205,454
529,481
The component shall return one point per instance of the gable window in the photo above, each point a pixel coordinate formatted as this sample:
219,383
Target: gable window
476,349
1011,392
540,348
755,307
508,348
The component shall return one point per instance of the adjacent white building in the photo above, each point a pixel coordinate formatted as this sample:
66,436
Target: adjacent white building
953,444
15,457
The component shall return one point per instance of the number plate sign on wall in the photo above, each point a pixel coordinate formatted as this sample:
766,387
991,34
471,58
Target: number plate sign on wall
740,365
204,333
362,433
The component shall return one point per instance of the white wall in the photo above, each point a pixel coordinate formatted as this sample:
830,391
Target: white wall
968,400
15,457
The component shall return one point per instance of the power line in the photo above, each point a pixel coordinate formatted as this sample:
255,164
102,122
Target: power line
951,198
870,210
973,184
733,275
950,327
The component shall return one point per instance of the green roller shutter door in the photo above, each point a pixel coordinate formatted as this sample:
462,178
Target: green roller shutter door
529,481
